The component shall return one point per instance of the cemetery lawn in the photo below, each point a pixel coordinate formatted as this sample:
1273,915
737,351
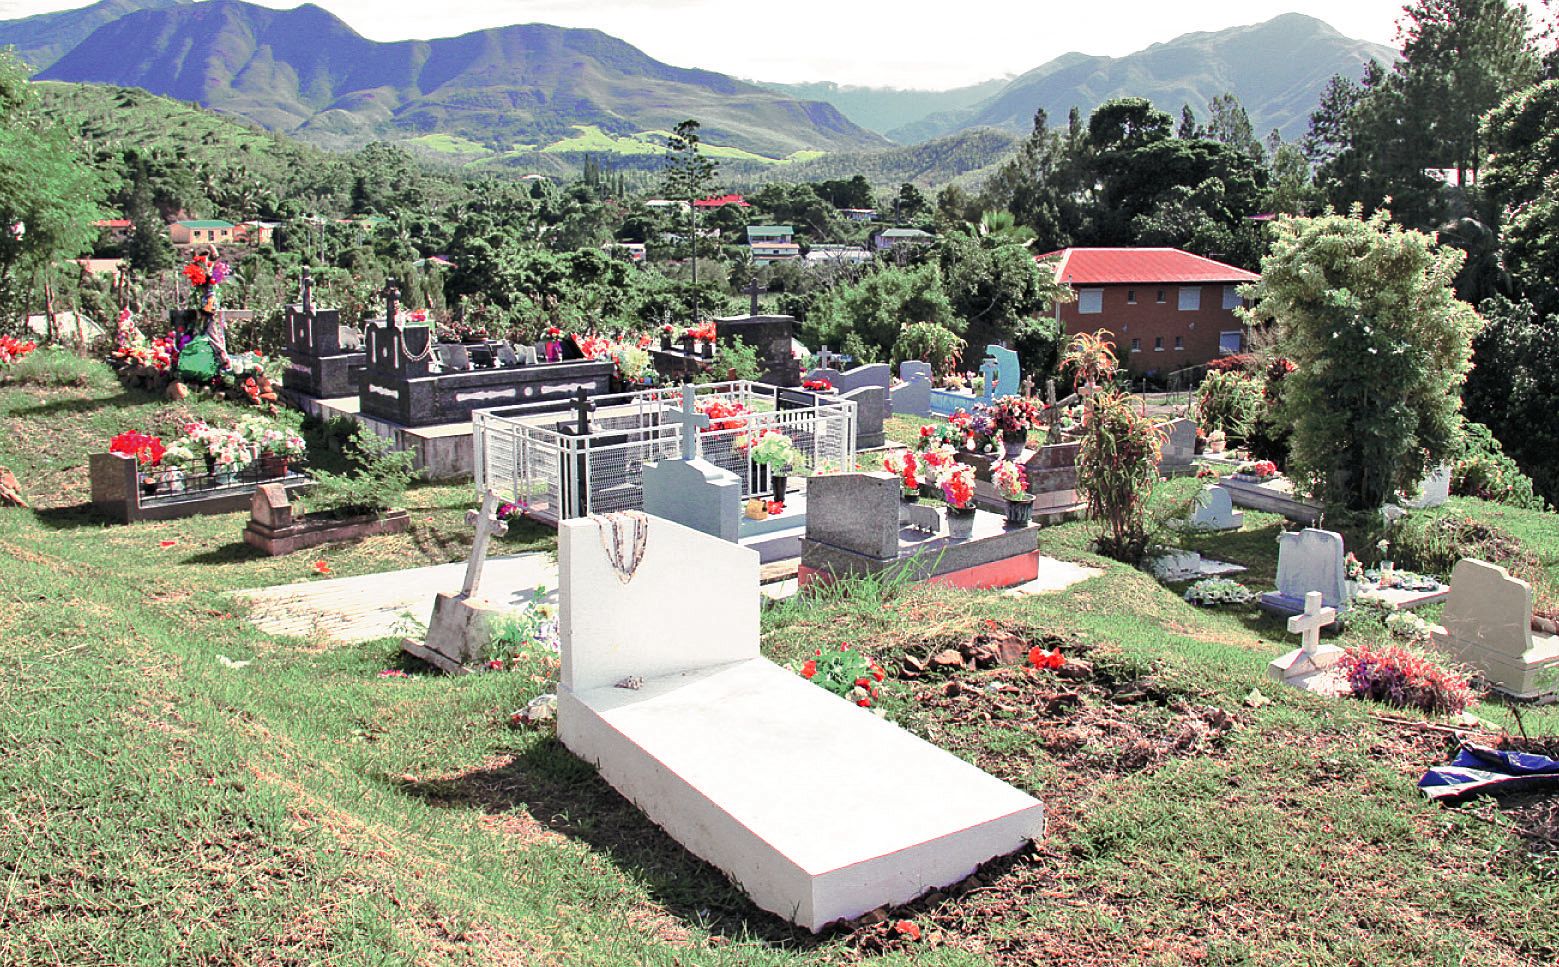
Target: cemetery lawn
162,806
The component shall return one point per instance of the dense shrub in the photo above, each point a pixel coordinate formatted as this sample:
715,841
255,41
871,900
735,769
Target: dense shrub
1230,401
1483,470
1404,679
937,345
379,482
1234,363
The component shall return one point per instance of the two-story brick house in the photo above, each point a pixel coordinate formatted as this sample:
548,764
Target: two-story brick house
1167,309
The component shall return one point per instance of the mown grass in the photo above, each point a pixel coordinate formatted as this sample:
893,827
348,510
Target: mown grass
162,806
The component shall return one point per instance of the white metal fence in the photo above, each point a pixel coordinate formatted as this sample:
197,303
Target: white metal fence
532,455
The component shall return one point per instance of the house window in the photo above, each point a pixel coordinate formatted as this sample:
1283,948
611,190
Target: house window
1190,298
1161,296
1231,297
1158,344
1131,297
1136,345
1231,342
1090,301
1179,342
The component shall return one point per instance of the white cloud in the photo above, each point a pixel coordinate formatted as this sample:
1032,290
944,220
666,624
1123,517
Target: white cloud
909,43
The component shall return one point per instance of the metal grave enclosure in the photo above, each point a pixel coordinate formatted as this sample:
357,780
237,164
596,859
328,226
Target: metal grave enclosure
562,463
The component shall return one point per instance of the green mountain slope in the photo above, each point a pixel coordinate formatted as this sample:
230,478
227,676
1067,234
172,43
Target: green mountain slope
305,72
42,39
882,109
963,157
1277,69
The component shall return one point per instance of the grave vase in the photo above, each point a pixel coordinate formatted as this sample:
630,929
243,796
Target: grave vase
1013,442
1020,512
273,465
779,480
960,523
149,484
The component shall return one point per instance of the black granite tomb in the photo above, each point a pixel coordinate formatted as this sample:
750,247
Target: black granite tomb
324,358
773,337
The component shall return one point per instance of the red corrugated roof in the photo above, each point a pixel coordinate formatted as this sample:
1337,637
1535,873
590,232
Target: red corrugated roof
112,223
720,201
1117,266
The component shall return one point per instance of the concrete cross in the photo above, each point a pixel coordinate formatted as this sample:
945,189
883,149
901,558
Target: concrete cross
308,292
582,408
691,421
988,373
825,359
1311,622
487,524
392,297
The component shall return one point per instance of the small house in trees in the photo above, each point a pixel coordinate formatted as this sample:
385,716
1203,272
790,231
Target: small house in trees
858,214
772,243
201,231
1166,309
891,238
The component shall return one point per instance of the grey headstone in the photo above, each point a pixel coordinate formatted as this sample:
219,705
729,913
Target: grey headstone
1435,490
857,512
869,413
1179,444
913,397
695,494
506,355
1312,560
1215,511
454,357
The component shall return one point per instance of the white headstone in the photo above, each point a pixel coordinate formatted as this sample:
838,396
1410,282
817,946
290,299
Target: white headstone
1312,560
748,765
1488,625
1215,511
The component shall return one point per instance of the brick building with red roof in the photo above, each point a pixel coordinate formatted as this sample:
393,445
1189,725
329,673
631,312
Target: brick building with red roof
1167,309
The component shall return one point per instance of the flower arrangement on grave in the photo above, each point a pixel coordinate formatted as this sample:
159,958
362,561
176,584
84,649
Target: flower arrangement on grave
701,333
907,467
205,273
1206,473
554,339
1400,579
1012,414
1262,470
724,414
844,671
634,365
775,451
957,484
226,451
942,435
1012,485
274,446
1353,570
817,385
13,349
147,449
1219,592
1404,679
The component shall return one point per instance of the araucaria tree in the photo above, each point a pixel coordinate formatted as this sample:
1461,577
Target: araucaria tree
689,176
1368,312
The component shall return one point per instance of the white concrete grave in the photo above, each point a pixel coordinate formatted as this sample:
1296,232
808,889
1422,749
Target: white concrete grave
1488,625
1312,666
748,765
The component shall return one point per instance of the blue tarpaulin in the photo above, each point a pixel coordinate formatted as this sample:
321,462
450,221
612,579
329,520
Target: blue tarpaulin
1479,769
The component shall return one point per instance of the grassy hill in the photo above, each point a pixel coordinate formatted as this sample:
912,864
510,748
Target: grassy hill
305,72
164,805
1277,69
964,157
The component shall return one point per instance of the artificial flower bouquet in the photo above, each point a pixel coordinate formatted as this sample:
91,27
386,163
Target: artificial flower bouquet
1012,414
775,450
908,468
957,483
845,672
1010,480
1262,470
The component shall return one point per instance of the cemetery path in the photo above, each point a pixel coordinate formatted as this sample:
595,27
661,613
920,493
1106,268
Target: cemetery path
372,606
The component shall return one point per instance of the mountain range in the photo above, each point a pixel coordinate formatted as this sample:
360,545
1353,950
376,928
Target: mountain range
513,92
1277,69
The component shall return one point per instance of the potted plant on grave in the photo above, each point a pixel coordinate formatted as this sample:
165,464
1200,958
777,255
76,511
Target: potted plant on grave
774,451
1258,470
1353,574
1216,442
148,451
1012,485
907,467
819,385
1012,417
226,452
957,482
666,333
178,461
278,448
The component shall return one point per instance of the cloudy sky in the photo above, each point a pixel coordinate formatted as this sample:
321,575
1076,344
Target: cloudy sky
905,43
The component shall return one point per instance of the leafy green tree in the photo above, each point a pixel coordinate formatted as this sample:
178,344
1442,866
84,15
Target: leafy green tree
1367,312
1513,386
1229,124
911,203
934,344
855,192
49,197
1046,186
1188,129
800,207
879,304
149,250
1522,181
993,282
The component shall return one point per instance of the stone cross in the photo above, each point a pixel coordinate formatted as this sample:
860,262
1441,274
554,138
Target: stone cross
487,524
308,292
392,296
582,408
691,421
753,291
1311,622
825,359
988,374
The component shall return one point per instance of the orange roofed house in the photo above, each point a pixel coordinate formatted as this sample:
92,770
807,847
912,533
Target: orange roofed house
1166,309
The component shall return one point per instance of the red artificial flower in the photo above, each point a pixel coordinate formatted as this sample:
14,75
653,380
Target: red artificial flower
145,448
495,665
865,703
863,682
808,668
878,673
844,646
1040,658
775,507
393,673
907,930
166,543
320,567
990,624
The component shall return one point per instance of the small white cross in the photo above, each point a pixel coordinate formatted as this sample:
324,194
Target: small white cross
487,524
691,421
1311,622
